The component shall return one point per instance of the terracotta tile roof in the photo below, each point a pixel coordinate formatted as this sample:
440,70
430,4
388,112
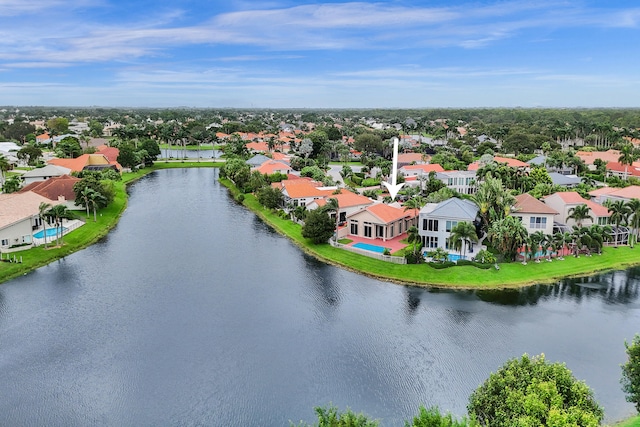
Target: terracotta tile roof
589,156
272,167
412,157
573,198
304,190
44,136
260,146
388,213
346,199
631,192
526,203
280,156
425,168
77,164
619,167
16,207
54,188
514,163
111,153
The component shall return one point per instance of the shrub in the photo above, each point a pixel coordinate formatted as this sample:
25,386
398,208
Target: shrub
631,372
485,257
433,418
330,417
441,265
240,198
532,392
413,258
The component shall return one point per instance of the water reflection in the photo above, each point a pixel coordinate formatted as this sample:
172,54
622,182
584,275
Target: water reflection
193,310
616,287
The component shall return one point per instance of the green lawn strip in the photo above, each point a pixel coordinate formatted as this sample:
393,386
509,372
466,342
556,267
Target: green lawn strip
89,233
75,240
631,422
510,274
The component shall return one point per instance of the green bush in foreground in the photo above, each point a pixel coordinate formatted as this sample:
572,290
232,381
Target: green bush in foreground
530,392
330,417
631,372
433,418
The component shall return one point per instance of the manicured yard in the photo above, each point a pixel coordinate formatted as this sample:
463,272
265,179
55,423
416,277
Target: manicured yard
509,275
631,422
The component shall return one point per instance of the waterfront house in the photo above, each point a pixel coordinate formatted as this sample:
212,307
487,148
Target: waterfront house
564,201
380,221
437,219
44,173
19,217
58,189
535,215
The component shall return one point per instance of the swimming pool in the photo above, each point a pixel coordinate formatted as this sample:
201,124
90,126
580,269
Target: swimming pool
454,257
51,232
368,247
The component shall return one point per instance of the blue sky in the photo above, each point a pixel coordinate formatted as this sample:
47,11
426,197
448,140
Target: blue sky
320,54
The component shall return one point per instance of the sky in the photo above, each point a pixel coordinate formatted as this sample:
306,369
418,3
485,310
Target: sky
320,54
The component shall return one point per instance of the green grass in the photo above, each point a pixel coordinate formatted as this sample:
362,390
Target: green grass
89,233
77,239
188,147
631,422
345,241
510,274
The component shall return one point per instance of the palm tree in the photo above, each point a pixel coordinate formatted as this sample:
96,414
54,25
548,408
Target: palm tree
4,167
85,195
559,241
626,158
537,239
581,239
579,213
96,199
462,233
42,214
413,236
508,234
619,214
59,213
416,203
634,218
333,205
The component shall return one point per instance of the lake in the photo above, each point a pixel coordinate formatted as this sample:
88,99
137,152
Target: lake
192,311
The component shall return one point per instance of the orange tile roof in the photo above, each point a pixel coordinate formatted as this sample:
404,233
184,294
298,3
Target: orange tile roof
304,190
573,198
514,163
388,213
258,146
111,153
412,157
619,167
346,199
589,156
271,167
53,188
435,167
631,192
15,207
526,203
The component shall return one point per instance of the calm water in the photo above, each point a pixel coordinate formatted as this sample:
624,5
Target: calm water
193,312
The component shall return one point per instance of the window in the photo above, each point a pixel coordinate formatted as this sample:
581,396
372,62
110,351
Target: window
5,242
367,229
392,228
450,225
430,224
431,242
603,220
354,227
537,222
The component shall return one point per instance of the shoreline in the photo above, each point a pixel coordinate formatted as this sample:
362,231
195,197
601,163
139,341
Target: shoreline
510,276
513,275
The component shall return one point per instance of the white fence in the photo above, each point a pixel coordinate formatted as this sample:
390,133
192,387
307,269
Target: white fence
69,225
370,254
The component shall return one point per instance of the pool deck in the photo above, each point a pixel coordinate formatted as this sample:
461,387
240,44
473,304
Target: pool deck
393,244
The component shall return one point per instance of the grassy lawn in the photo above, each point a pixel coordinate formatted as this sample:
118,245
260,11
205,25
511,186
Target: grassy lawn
188,147
510,274
631,422
89,233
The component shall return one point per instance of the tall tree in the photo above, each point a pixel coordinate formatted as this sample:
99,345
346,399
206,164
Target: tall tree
579,214
627,157
462,233
619,213
634,218
42,214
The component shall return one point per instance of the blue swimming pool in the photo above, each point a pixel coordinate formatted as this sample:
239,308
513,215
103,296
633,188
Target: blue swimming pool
368,247
454,257
51,232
